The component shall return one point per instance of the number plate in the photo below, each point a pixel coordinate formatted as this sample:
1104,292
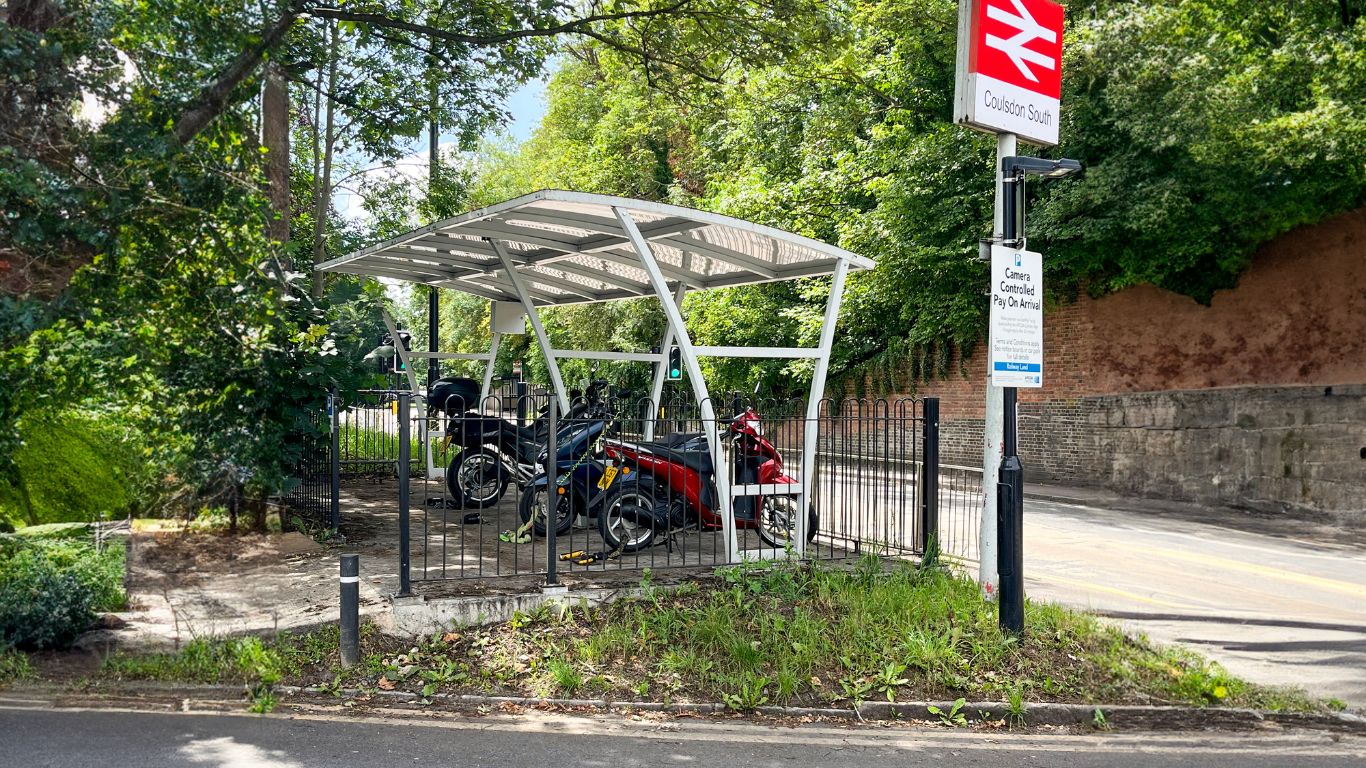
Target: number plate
608,475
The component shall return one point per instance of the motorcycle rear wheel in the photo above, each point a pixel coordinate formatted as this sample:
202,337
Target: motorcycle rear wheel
630,519
477,479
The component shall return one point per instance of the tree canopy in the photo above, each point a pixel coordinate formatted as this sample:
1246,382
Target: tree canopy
1206,127
160,211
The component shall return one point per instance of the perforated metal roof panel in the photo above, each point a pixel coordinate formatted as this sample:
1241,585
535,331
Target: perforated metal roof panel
570,248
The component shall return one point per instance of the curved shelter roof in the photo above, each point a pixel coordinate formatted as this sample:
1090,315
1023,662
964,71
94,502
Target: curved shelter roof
571,248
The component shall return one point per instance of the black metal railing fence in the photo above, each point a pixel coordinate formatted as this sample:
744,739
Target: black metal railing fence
877,484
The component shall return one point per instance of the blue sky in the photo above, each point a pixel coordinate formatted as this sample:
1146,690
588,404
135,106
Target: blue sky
526,106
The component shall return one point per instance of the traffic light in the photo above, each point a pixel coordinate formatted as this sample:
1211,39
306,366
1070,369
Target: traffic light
675,363
407,340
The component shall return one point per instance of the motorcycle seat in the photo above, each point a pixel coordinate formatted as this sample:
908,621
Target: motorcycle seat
676,439
697,460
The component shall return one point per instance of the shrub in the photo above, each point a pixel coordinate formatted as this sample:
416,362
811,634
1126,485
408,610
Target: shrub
40,606
50,590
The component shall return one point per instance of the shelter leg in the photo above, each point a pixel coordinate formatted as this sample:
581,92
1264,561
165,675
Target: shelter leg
813,402
690,363
541,339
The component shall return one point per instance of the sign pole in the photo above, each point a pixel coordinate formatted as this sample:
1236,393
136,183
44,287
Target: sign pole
994,428
1010,488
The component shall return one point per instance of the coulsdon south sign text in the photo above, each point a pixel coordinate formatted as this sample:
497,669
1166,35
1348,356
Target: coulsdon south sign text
1010,67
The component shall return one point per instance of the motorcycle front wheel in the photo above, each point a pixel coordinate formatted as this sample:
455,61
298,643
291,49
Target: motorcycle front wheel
477,478
534,507
630,519
777,522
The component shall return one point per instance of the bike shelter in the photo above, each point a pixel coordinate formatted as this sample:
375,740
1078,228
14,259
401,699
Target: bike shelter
553,248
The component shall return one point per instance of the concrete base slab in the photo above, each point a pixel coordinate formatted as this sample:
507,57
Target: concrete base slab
420,615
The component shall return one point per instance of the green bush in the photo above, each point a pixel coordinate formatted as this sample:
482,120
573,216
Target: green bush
50,590
72,467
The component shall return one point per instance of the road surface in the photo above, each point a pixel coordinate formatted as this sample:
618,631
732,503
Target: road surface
77,739
1274,602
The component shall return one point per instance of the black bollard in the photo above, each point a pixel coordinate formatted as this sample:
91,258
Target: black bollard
350,610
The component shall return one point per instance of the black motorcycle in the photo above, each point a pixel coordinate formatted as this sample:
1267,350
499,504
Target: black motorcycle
492,450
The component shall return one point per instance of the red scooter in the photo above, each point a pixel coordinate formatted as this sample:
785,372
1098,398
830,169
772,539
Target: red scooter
658,488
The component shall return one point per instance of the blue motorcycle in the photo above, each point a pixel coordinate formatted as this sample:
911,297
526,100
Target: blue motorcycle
577,487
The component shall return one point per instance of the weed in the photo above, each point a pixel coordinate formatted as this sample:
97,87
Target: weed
446,672
749,696
263,701
1015,708
333,688
856,688
13,666
566,676
954,717
889,678
1098,721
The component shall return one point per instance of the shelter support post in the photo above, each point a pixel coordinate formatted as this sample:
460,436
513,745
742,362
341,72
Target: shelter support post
657,386
690,363
813,403
542,340
433,332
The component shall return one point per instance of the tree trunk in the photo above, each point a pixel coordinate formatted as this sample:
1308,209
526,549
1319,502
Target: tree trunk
212,100
275,138
323,204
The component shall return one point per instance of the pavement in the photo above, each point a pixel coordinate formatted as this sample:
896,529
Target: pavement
80,738
1275,600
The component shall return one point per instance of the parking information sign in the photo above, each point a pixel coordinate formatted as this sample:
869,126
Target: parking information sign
1016,318
1009,75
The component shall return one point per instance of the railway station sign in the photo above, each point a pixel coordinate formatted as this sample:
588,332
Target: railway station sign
1009,71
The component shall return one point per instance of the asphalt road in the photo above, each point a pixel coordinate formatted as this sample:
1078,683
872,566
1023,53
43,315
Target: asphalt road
78,739
1274,602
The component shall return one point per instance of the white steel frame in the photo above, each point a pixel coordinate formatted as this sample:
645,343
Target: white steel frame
485,265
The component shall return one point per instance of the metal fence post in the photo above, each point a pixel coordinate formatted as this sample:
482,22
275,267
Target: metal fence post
405,450
929,482
334,516
552,501
350,610
520,390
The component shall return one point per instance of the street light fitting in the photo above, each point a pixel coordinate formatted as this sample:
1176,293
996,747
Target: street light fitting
1014,169
1019,165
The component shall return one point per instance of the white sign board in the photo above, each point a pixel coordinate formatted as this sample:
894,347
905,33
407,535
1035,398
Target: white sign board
1016,318
1009,73
508,317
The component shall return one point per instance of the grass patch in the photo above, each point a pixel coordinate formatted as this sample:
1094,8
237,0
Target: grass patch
359,443
13,666
72,467
775,634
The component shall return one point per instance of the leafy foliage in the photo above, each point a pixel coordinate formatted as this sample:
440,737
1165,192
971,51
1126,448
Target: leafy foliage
50,590
73,467
1207,127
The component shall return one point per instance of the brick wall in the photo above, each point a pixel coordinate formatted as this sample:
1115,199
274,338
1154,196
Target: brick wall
1149,392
